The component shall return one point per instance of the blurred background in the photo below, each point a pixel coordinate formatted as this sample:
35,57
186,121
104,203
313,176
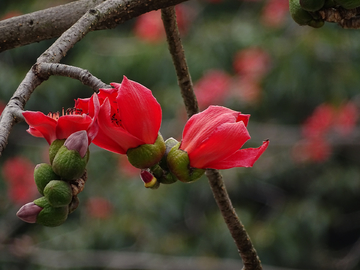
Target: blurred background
299,203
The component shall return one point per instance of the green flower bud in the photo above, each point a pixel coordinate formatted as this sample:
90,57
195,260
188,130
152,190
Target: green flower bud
58,193
303,17
179,164
50,216
147,155
312,5
54,148
69,164
43,174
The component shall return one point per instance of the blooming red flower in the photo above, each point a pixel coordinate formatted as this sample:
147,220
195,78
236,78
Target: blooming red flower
213,139
129,116
18,173
55,126
346,118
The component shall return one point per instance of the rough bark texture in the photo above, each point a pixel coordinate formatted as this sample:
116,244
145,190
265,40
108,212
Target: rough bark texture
242,240
177,52
52,22
45,70
346,18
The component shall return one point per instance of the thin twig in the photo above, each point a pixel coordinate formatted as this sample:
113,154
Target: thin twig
177,52
84,76
237,230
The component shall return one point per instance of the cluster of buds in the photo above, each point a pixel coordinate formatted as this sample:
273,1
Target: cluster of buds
59,182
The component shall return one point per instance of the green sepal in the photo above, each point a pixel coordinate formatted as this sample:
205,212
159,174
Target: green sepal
312,5
69,164
50,216
179,164
54,148
58,193
303,17
43,174
147,155
348,4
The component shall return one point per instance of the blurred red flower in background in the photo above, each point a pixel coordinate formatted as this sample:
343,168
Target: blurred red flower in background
274,13
18,173
149,26
252,62
212,88
98,207
325,119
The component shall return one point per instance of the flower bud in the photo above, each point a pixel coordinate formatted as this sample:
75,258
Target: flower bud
43,174
149,180
58,193
29,212
69,164
78,141
147,155
50,216
179,164
54,148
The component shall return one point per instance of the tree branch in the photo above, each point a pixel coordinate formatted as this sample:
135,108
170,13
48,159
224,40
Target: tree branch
177,52
52,22
242,240
45,70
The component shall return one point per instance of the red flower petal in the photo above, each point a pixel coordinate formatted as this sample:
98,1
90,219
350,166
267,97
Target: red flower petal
202,125
139,111
224,141
111,137
241,158
42,124
68,124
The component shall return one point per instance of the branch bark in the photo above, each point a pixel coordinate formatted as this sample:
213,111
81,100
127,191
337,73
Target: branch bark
45,70
242,240
346,18
52,22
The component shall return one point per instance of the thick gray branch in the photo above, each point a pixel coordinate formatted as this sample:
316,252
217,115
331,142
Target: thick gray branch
48,69
52,22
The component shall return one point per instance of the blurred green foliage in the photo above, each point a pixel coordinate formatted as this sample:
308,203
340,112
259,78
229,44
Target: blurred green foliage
298,215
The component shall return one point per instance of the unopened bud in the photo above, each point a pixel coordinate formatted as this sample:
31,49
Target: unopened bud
69,164
50,216
58,193
54,148
147,155
149,180
43,174
179,164
78,141
29,212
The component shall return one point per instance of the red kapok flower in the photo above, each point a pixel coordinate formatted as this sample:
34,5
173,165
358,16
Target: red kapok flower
129,116
213,138
55,126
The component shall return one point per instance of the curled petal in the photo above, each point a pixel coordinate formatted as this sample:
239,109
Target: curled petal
202,125
241,158
41,124
223,142
139,111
